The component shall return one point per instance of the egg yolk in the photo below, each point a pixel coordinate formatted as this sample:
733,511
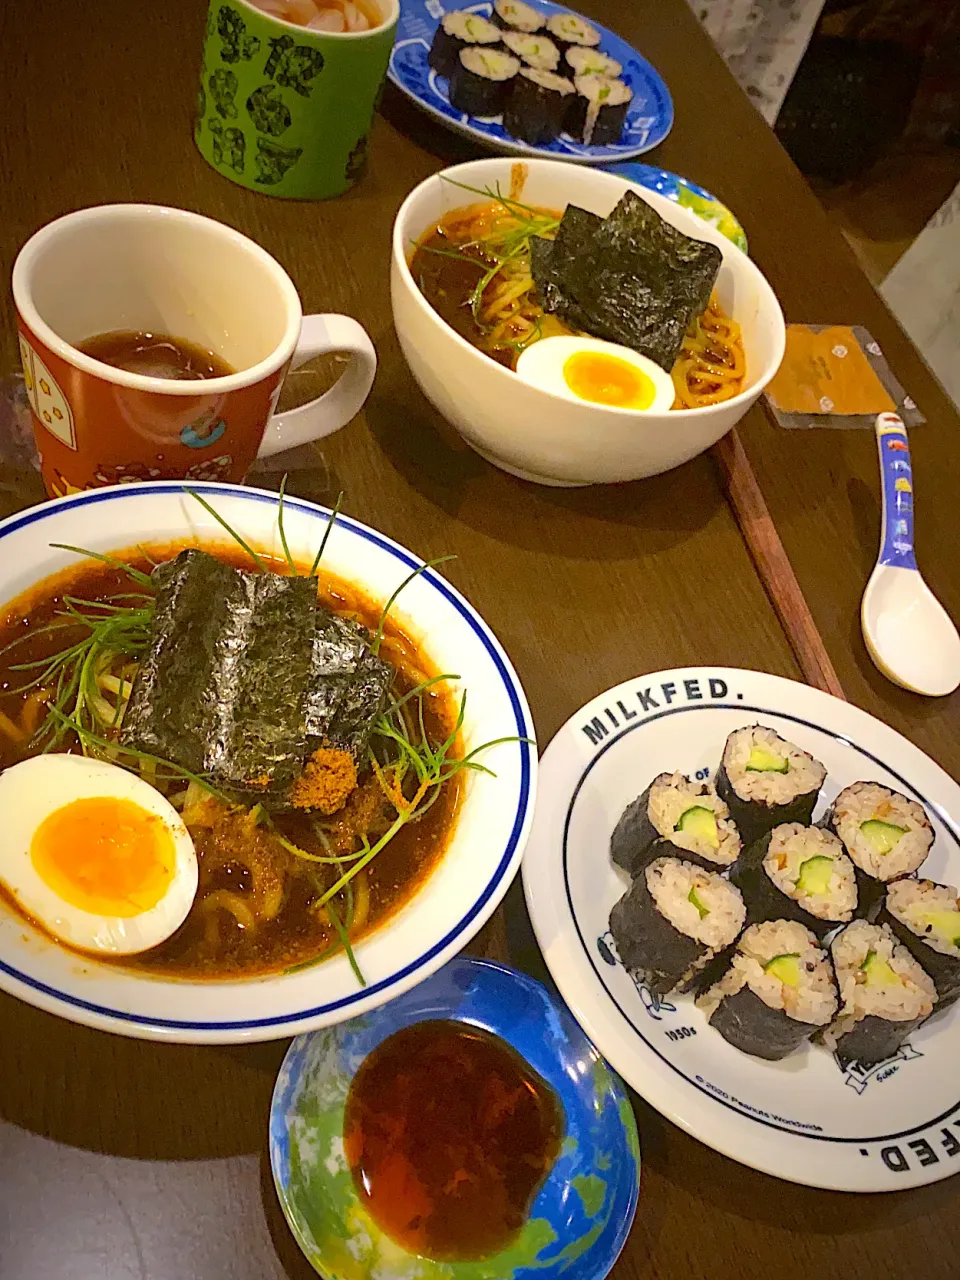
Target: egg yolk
105,855
606,379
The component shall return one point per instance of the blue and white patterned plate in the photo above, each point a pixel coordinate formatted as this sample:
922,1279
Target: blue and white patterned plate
582,1215
649,118
881,1128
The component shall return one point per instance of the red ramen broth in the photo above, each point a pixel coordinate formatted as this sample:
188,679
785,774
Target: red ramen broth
450,1134
255,910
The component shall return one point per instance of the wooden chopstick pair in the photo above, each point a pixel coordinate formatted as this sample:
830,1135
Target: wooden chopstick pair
772,564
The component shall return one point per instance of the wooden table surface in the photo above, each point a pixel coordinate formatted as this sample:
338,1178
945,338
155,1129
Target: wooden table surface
124,1159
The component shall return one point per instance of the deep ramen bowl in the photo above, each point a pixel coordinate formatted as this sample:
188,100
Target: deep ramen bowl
440,916
534,433
580,1218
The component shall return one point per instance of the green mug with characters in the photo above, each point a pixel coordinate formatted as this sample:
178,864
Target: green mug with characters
286,109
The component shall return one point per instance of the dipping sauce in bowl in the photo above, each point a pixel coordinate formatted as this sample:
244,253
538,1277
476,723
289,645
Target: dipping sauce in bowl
450,1134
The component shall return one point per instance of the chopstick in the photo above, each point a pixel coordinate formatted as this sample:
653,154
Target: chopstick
772,564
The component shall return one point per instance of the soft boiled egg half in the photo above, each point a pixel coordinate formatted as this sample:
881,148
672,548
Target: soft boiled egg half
94,854
597,372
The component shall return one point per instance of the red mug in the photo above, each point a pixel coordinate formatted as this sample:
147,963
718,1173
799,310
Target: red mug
158,270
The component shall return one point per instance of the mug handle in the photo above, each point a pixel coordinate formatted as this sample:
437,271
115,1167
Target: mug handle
319,336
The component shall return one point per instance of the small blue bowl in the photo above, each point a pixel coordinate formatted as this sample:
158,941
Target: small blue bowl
579,1221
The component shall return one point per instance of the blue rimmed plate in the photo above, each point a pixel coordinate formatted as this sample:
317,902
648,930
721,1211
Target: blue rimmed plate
582,1215
895,1125
649,118
454,901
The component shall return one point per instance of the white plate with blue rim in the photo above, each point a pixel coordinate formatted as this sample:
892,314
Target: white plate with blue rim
894,1125
444,913
649,117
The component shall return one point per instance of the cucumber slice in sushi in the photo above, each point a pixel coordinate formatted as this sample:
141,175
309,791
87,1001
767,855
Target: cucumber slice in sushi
885,994
777,991
673,921
925,917
759,798
797,873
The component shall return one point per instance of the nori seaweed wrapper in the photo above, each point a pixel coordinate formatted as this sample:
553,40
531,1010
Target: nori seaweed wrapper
755,818
648,944
534,112
630,278
764,900
348,685
635,835
222,688
873,1040
944,970
870,895
751,1026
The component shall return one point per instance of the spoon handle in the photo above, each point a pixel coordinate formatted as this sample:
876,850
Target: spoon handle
896,478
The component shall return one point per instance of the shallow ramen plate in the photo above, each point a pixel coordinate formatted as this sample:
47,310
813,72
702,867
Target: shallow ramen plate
895,1126
444,913
582,1215
649,118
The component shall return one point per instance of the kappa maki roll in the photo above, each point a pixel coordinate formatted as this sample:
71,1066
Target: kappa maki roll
688,815
797,873
458,31
514,15
569,29
534,51
926,918
778,990
672,921
580,61
884,995
767,781
481,81
596,115
535,108
886,835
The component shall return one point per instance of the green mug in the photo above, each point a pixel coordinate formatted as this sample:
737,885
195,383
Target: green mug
285,110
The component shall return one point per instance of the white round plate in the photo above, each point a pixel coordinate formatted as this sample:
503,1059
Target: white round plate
445,912
895,1126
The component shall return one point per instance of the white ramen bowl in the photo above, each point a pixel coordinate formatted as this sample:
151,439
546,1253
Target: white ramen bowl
446,911
534,433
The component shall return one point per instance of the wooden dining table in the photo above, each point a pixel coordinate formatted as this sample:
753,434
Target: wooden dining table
125,1159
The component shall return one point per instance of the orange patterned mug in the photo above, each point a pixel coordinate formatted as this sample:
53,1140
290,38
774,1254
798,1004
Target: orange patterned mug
153,269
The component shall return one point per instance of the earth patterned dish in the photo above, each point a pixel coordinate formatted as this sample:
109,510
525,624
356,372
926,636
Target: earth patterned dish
685,193
582,1215
649,118
882,1128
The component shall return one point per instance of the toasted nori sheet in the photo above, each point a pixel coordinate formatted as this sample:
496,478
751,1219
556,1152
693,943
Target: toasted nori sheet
873,1040
648,944
222,689
630,278
944,970
763,899
348,685
751,1026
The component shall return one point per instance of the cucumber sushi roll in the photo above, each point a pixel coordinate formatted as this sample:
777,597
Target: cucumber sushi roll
690,815
886,835
535,51
534,111
579,61
481,81
458,31
672,921
514,15
797,873
767,781
597,114
884,995
926,918
569,29
778,990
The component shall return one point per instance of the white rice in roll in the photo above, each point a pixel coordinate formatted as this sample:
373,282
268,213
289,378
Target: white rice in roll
886,834
788,860
800,775
698,903
672,796
814,998
878,978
